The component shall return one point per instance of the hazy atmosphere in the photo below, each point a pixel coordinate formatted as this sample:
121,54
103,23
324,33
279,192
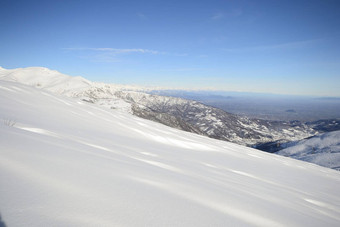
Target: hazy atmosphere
283,47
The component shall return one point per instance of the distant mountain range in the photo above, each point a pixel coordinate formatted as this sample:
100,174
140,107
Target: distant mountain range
263,106
213,122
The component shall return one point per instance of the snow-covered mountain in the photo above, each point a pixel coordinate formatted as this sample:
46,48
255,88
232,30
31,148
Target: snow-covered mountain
45,78
77,87
179,113
64,162
214,122
325,125
323,149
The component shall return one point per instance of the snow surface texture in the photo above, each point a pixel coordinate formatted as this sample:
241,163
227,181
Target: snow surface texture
65,162
323,150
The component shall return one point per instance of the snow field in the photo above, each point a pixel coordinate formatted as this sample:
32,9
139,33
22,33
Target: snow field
69,163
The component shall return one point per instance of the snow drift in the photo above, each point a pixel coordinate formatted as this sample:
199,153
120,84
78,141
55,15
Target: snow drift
68,163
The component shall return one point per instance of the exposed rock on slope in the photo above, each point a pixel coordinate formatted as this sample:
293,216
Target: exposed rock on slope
217,123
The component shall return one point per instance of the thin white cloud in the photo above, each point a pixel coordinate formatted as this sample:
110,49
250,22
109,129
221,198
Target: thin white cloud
141,16
281,46
217,16
118,51
227,14
111,55
182,69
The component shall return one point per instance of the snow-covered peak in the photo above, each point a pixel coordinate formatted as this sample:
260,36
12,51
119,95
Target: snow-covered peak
44,78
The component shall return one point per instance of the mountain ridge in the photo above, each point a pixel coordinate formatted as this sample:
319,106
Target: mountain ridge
180,113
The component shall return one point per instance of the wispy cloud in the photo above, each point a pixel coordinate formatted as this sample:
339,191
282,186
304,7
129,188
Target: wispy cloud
182,69
228,14
281,46
141,16
218,16
118,51
109,55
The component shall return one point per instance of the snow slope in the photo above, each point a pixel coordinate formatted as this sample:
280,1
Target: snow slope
68,163
323,149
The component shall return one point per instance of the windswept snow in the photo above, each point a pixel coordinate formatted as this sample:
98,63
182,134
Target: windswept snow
69,163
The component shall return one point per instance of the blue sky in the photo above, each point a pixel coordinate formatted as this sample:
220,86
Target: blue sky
284,47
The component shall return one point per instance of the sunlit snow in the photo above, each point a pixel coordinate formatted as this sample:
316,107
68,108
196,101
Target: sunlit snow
69,163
